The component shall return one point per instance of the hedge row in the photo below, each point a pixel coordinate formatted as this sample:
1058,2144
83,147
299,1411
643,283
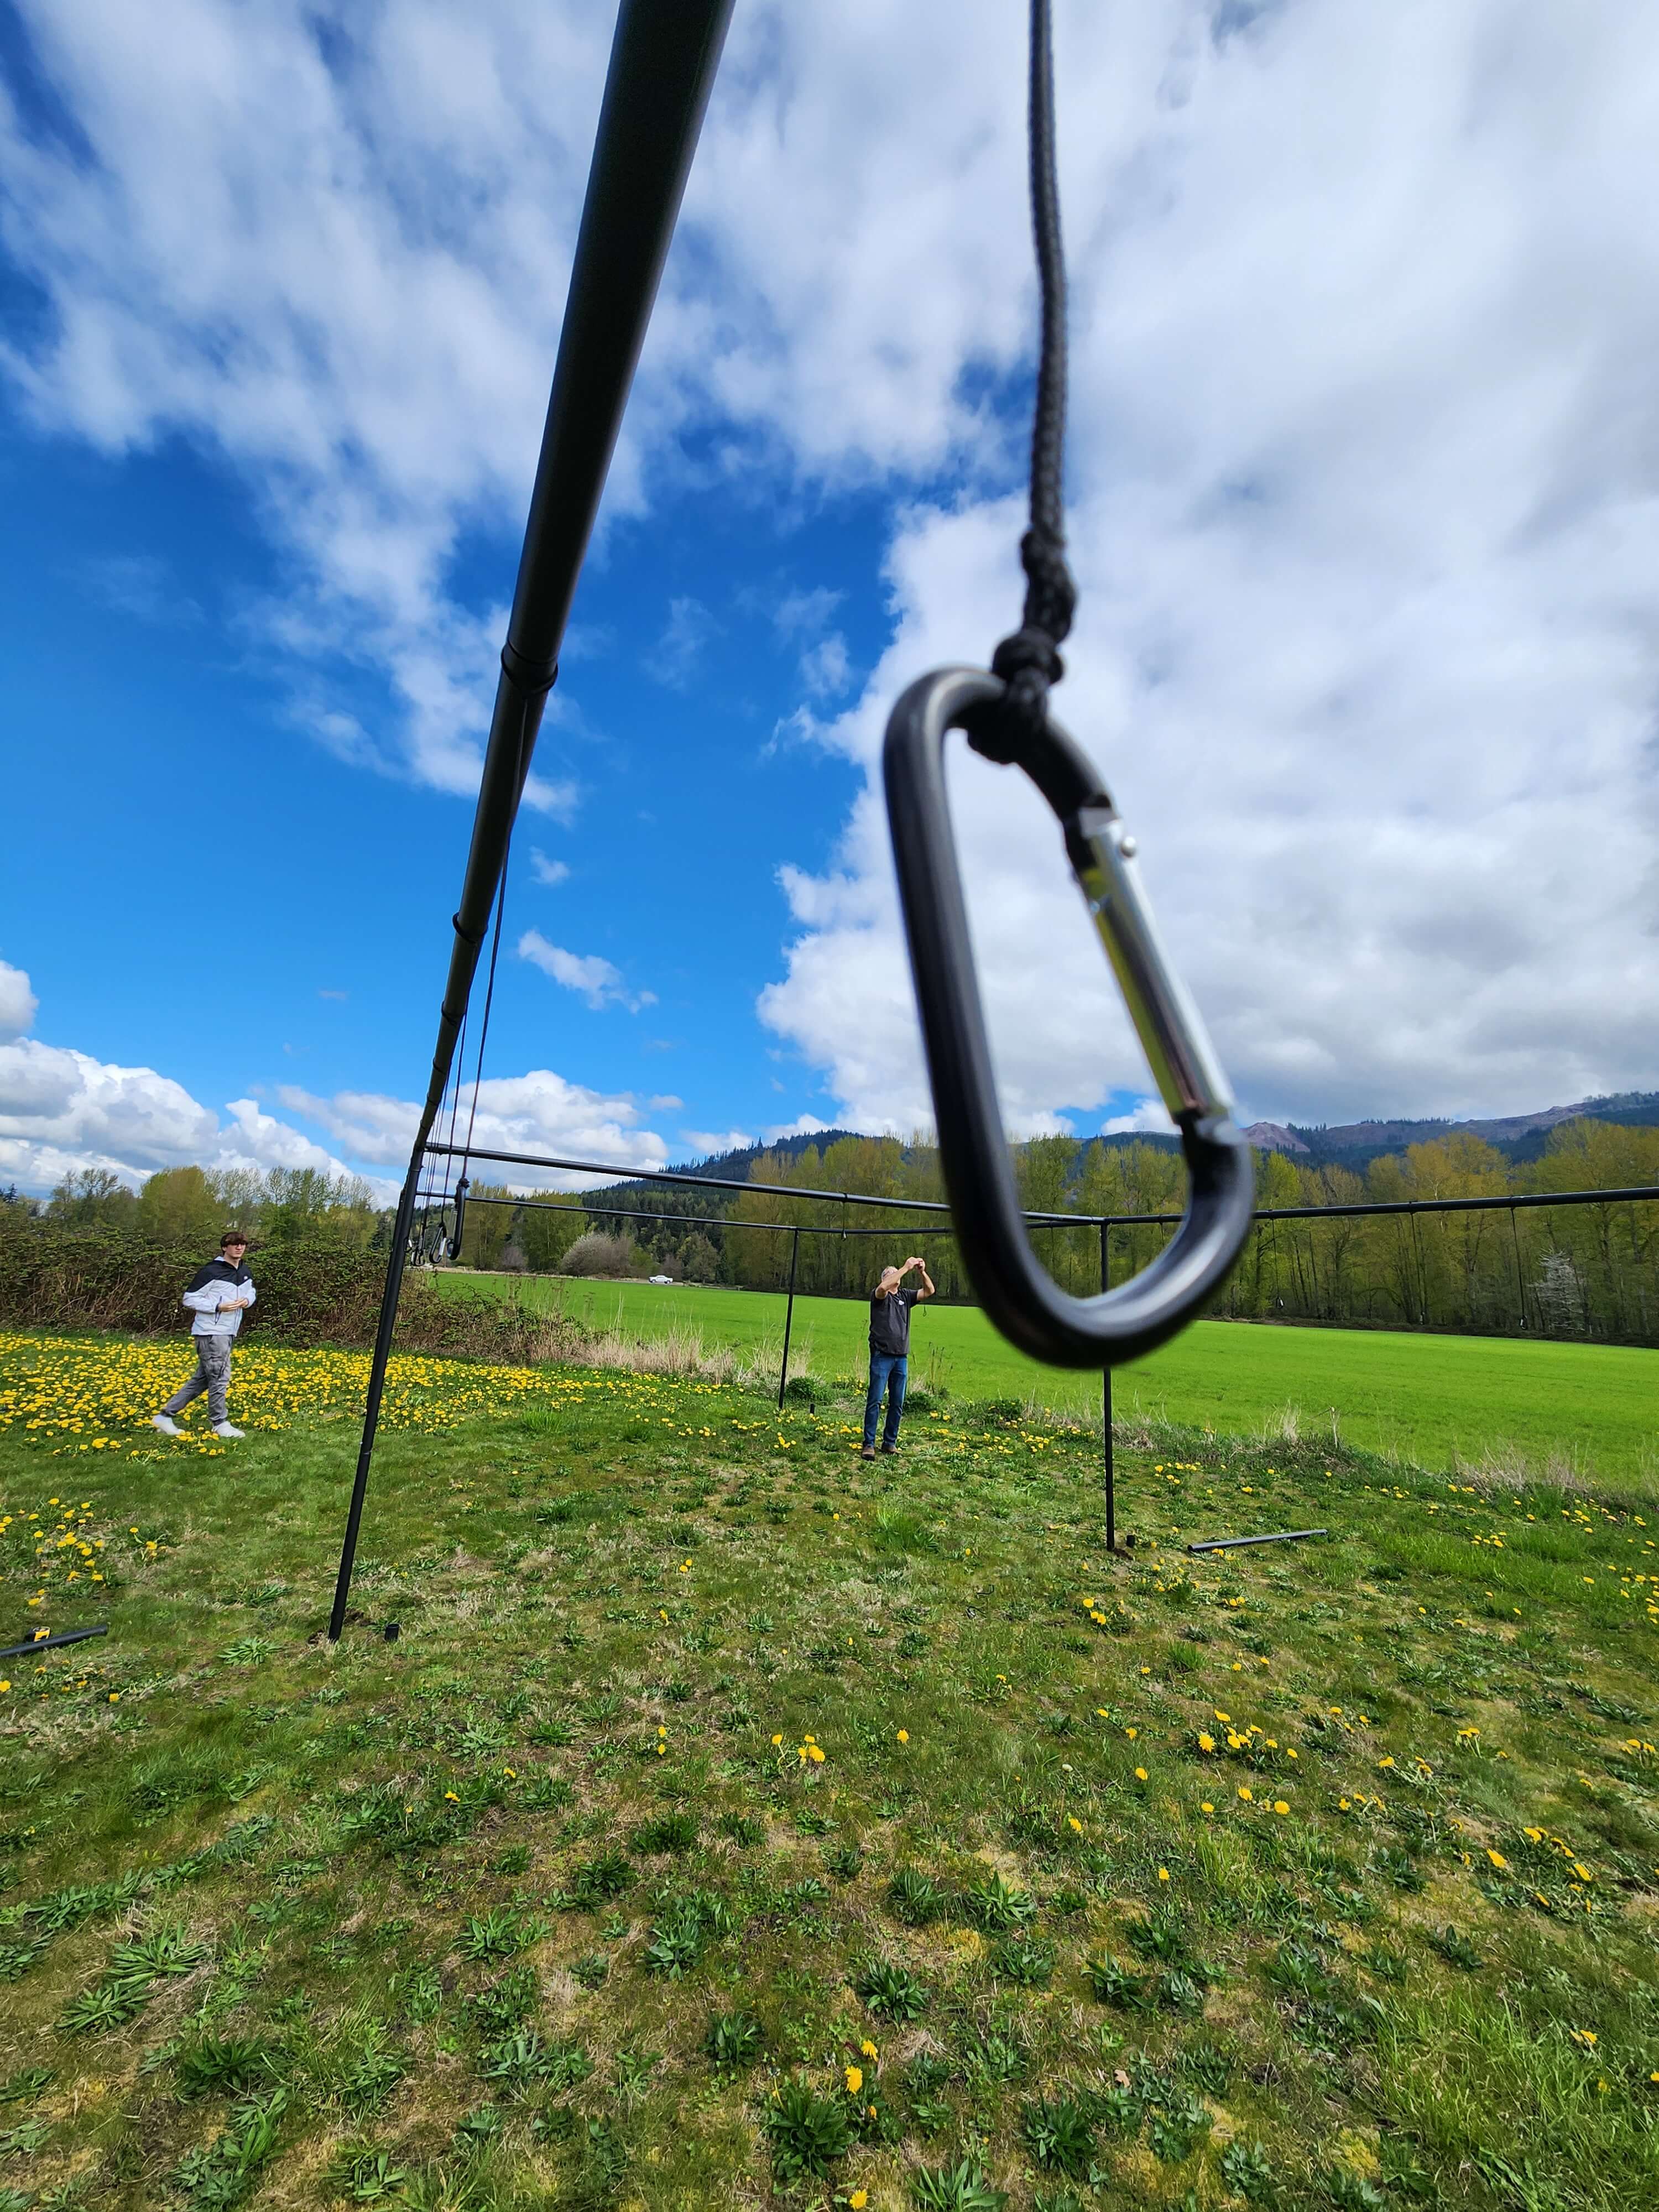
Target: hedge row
315,1291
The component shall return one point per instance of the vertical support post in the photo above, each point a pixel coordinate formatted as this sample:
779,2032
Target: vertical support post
1106,1404
1520,1279
394,1283
1422,1274
460,1219
788,1314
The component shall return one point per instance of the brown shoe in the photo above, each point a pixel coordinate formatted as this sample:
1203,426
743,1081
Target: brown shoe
868,1452
890,1452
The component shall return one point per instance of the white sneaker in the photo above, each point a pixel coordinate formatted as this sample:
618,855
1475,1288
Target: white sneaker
225,1429
167,1424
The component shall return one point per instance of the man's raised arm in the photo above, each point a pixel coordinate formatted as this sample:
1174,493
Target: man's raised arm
927,1279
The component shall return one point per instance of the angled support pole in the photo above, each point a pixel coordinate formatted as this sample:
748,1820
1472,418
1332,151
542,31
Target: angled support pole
663,61
1107,1464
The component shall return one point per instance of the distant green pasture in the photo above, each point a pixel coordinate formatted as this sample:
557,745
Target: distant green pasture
1431,1399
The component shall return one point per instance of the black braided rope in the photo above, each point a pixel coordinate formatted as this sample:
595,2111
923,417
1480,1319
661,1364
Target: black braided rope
1028,660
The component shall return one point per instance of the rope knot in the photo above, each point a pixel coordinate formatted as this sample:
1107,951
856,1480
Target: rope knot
1029,661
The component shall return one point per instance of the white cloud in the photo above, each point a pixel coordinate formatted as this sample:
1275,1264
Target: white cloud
1364,447
595,977
804,1124
543,871
536,1112
61,1109
1366,503
707,1144
826,670
1148,1117
18,1004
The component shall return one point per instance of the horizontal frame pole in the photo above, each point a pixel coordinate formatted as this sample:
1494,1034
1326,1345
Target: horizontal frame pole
724,1182
712,1220
1639,1194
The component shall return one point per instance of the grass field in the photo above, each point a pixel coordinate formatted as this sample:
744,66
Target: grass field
1431,1400
734,1823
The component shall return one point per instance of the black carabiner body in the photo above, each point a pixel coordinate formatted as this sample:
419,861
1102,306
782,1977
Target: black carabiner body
1017,1293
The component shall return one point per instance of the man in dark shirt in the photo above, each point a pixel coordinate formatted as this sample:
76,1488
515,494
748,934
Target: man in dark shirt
889,1352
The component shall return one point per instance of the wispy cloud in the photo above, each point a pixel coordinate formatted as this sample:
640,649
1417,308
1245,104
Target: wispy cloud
143,586
673,660
588,974
543,871
806,614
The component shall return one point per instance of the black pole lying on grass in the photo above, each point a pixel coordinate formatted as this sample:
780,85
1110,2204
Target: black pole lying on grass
48,1642
1238,1543
788,1317
663,61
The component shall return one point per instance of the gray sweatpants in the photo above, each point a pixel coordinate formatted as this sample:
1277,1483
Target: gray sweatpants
212,1375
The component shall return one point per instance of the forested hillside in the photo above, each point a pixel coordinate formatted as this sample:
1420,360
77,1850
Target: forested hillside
1586,1271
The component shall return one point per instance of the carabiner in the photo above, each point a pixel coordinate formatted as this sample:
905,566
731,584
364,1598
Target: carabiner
1017,1293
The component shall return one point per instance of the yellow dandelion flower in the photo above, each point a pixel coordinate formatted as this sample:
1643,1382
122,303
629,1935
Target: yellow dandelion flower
854,2079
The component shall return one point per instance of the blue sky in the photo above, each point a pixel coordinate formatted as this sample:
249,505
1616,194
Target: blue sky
1364,515
282,915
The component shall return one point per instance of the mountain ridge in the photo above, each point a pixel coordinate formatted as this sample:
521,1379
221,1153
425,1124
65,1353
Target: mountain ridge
1519,1136
1346,1144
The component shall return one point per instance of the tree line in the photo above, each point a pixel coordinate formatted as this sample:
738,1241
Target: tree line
1590,1271
190,1207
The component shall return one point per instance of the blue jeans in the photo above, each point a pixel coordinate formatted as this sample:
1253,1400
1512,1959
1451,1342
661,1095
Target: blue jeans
887,1372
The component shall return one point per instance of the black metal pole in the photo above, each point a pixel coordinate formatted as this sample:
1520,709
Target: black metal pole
788,1316
1243,1543
460,1219
625,1175
394,1283
663,60
1106,1404
51,1642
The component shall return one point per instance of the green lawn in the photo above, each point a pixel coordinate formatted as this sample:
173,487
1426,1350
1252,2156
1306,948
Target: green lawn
733,1823
1429,1399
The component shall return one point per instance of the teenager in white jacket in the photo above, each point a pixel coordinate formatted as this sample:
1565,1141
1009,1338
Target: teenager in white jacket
218,1295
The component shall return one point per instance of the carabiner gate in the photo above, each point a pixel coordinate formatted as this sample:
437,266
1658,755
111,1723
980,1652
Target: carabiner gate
1017,1293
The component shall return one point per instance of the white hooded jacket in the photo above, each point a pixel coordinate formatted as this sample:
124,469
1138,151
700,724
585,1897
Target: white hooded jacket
209,1290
